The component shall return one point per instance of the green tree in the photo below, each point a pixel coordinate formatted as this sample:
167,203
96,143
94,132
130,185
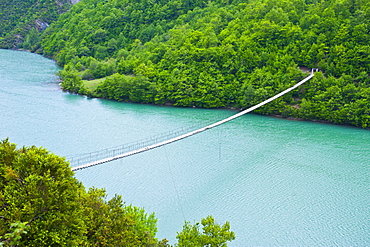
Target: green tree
31,40
20,18
72,81
43,204
38,187
111,223
211,234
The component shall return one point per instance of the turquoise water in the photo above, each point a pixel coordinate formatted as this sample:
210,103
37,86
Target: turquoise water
278,182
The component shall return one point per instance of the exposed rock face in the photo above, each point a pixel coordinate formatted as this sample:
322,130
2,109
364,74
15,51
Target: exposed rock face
74,1
41,25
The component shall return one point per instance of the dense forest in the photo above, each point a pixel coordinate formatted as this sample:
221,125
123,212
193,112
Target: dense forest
220,54
191,53
43,204
22,21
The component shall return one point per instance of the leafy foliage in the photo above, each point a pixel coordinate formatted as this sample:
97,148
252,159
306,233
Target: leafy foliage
211,235
46,206
42,204
22,20
39,188
98,28
112,223
14,237
221,54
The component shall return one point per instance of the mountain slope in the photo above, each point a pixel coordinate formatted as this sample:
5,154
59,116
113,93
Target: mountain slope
18,17
220,54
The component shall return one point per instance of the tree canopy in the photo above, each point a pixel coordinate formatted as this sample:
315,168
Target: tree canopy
211,234
220,53
23,20
43,204
39,188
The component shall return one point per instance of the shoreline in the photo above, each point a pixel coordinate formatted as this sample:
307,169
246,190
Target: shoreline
172,105
226,108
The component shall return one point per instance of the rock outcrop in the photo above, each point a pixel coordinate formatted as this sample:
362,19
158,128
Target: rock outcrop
74,1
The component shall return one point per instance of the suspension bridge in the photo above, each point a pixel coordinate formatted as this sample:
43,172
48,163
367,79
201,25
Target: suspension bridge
106,155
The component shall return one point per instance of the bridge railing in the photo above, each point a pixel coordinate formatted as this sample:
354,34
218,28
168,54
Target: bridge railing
80,159
110,154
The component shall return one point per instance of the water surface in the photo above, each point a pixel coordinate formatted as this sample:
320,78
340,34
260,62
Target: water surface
279,182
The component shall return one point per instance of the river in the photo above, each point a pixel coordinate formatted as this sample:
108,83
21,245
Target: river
279,182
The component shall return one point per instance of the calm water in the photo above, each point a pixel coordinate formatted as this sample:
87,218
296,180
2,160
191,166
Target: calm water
279,182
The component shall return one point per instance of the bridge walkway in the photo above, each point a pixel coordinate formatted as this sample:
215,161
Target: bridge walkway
117,153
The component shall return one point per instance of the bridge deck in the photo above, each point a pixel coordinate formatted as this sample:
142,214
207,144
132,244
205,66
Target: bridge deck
140,150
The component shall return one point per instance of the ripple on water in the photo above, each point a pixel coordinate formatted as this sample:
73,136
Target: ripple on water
279,182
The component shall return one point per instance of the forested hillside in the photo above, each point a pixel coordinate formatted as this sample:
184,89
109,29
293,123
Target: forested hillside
22,17
220,54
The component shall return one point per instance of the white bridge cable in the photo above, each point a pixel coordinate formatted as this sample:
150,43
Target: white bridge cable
79,159
152,143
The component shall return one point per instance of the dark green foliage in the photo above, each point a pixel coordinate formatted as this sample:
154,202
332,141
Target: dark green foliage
43,204
99,28
126,88
38,187
32,39
20,18
71,80
219,54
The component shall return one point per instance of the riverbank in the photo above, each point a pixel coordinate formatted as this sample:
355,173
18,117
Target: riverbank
89,86
257,172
